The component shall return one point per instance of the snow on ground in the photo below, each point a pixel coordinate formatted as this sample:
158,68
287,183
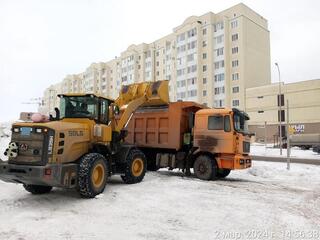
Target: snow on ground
266,199
258,149
5,135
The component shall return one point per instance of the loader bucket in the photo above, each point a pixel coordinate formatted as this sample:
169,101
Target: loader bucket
156,93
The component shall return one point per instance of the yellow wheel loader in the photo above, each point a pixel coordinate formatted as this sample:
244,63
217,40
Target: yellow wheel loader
83,144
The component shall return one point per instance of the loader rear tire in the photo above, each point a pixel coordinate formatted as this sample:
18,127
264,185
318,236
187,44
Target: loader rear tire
222,173
205,168
135,168
37,189
92,175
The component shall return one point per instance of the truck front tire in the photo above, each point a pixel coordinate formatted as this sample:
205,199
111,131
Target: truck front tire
37,189
222,173
92,175
135,168
205,168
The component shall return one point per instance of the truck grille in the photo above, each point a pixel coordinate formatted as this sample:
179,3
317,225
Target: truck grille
246,147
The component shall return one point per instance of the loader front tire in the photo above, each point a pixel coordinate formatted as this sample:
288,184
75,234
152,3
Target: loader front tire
92,175
37,189
135,168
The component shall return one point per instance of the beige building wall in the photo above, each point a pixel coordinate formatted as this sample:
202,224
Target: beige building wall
304,106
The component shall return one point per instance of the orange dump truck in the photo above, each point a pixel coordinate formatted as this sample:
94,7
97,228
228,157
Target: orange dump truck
188,135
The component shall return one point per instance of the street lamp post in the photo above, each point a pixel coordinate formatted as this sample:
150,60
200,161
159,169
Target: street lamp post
280,115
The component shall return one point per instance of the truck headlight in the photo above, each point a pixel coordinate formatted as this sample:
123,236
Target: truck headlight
16,129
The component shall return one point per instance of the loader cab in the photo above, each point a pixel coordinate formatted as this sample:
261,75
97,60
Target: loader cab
88,106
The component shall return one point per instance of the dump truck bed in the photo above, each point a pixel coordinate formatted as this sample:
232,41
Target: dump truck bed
161,126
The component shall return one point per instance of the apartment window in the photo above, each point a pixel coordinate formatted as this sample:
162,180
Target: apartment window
219,90
219,51
181,37
219,77
204,68
204,80
261,111
204,31
235,76
192,32
157,73
219,103
190,57
219,39
234,24
204,93
235,63
235,89
148,54
282,115
192,81
192,93
192,45
234,37
219,64
204,56
204,43
235,102
192,68
157,63
280,100
234,50
218,26
180,72
260,97
157,54
181,83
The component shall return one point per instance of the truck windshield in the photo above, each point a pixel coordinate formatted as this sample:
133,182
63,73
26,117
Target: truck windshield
78,107
240,123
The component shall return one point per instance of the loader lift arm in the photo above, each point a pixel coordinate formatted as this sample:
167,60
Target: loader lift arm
131,97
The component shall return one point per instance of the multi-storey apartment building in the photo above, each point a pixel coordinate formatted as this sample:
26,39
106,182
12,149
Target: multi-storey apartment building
210,59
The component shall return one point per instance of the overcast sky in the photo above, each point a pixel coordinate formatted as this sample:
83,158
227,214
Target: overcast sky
42,41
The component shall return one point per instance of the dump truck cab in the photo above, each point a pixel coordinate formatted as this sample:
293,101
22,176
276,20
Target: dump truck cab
223,132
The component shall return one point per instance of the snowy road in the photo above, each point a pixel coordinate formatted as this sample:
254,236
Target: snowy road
264,202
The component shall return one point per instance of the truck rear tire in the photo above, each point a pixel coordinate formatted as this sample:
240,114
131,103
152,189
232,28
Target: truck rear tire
92,175
37,189
135,167
222,173
205,168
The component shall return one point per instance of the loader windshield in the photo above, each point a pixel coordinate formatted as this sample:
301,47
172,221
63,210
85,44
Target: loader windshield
79,107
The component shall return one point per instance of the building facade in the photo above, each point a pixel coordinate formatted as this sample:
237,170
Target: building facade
210,59
262,105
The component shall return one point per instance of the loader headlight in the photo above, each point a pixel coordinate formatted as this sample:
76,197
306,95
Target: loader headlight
16,129
38,130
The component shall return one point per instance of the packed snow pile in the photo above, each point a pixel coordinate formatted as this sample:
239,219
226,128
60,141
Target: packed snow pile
266,199
258,149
